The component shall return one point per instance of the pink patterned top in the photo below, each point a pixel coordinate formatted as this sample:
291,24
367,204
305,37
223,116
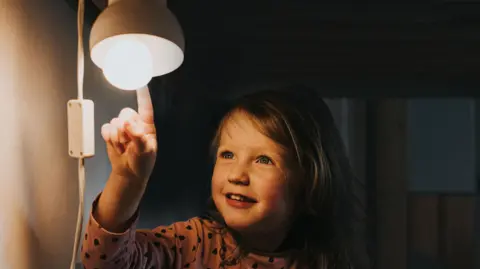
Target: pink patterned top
195,243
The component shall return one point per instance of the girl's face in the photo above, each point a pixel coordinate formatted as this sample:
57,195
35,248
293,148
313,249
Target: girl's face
249,183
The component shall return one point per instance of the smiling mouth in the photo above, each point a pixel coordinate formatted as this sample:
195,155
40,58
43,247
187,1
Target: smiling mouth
240,198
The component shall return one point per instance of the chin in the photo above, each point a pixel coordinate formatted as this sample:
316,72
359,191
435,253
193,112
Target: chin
238,224
243,223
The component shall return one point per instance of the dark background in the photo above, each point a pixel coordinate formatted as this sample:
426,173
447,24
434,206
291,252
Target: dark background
401,79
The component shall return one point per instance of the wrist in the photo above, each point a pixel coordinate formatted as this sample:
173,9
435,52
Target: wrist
119,201
126,190
130,180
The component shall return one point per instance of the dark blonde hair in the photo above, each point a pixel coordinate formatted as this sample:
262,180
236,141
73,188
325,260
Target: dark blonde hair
301,122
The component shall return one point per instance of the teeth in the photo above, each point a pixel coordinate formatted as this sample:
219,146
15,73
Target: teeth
240,198
237,197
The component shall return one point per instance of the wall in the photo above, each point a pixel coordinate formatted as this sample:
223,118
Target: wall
441,146
38,193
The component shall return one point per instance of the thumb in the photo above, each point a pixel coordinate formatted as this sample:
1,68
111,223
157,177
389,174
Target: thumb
150,142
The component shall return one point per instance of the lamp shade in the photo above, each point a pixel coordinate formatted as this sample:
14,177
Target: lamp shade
134,40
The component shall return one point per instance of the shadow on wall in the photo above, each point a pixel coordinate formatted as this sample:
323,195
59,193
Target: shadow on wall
39,193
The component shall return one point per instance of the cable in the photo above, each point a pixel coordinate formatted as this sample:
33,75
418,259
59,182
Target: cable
78,232
81,161
81,58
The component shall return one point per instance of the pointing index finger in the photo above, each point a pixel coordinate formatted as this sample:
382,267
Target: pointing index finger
145,107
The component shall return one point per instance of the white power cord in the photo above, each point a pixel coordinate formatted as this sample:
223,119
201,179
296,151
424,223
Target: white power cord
78,232
80,125
80,57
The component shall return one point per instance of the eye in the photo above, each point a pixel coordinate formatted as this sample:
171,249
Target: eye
264,160
226,155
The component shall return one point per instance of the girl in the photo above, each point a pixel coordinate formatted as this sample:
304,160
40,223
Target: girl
281,192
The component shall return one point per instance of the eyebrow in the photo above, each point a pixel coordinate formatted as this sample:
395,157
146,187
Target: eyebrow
226,133
278,153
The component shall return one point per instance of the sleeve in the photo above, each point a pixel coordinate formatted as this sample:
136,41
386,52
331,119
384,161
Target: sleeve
174,246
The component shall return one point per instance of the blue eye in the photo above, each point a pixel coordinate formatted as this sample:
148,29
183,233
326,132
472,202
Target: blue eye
264,160
226,155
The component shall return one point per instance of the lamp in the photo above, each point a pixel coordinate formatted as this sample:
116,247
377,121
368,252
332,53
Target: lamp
135,40
131,41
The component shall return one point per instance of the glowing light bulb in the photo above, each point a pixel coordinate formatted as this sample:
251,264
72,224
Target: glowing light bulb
128,65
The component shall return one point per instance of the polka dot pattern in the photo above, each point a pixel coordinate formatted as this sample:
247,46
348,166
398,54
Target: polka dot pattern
192,244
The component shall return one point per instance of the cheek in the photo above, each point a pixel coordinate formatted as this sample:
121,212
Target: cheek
275,191
217,178
275,195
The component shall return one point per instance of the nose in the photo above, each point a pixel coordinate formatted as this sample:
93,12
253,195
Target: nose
239,176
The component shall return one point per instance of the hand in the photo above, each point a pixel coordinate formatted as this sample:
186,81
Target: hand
131,140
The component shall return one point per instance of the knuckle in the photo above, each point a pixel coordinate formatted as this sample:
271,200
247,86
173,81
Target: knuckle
125,110
127,113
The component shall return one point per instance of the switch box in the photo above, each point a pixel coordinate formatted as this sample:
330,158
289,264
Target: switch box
81,128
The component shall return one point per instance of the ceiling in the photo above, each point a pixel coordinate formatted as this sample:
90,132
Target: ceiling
430,49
